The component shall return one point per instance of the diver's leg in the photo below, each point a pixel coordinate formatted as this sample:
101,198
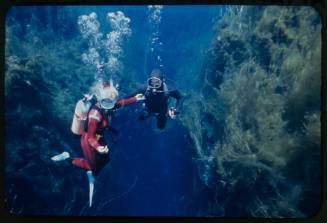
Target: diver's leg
161,120
89,160
81,163
95,160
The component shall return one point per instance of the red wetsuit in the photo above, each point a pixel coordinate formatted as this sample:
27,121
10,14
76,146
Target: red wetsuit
93,160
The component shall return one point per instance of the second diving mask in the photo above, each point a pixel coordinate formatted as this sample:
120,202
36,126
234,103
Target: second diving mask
154,82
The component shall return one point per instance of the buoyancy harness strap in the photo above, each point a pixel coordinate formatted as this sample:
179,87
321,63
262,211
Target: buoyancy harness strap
95,116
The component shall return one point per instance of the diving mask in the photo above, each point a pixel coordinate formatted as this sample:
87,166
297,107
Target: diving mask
154,82
107,103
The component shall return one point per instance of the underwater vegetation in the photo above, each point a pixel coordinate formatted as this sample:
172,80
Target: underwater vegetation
251,109
38,103
52,56
256,123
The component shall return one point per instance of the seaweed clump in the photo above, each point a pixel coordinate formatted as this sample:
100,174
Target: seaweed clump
259,109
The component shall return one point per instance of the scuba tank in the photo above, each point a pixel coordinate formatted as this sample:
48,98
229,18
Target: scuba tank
80,115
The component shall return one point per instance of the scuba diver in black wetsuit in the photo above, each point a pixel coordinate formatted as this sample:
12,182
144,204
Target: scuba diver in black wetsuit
156,96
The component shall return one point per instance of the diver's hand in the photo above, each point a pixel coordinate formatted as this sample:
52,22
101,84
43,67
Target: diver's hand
172,112
140,97
102,149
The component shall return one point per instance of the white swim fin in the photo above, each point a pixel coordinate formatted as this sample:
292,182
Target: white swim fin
60,157
91,186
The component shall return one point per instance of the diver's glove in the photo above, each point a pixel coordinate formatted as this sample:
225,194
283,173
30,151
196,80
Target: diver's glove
140,97
172,112
102,149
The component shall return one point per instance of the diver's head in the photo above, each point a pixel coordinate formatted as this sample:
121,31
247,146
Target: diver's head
108,95
155,80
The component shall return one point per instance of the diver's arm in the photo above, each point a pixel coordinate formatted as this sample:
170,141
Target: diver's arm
177,95
132,98
138,91
124,102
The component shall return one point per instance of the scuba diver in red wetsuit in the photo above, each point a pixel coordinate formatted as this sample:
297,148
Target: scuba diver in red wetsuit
156,96
94,147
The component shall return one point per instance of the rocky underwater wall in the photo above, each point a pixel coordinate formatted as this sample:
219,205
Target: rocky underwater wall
39,98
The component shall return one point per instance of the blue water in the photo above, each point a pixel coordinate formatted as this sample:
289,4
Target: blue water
151,168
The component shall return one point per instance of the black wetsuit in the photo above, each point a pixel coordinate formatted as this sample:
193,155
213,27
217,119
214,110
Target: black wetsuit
157,103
